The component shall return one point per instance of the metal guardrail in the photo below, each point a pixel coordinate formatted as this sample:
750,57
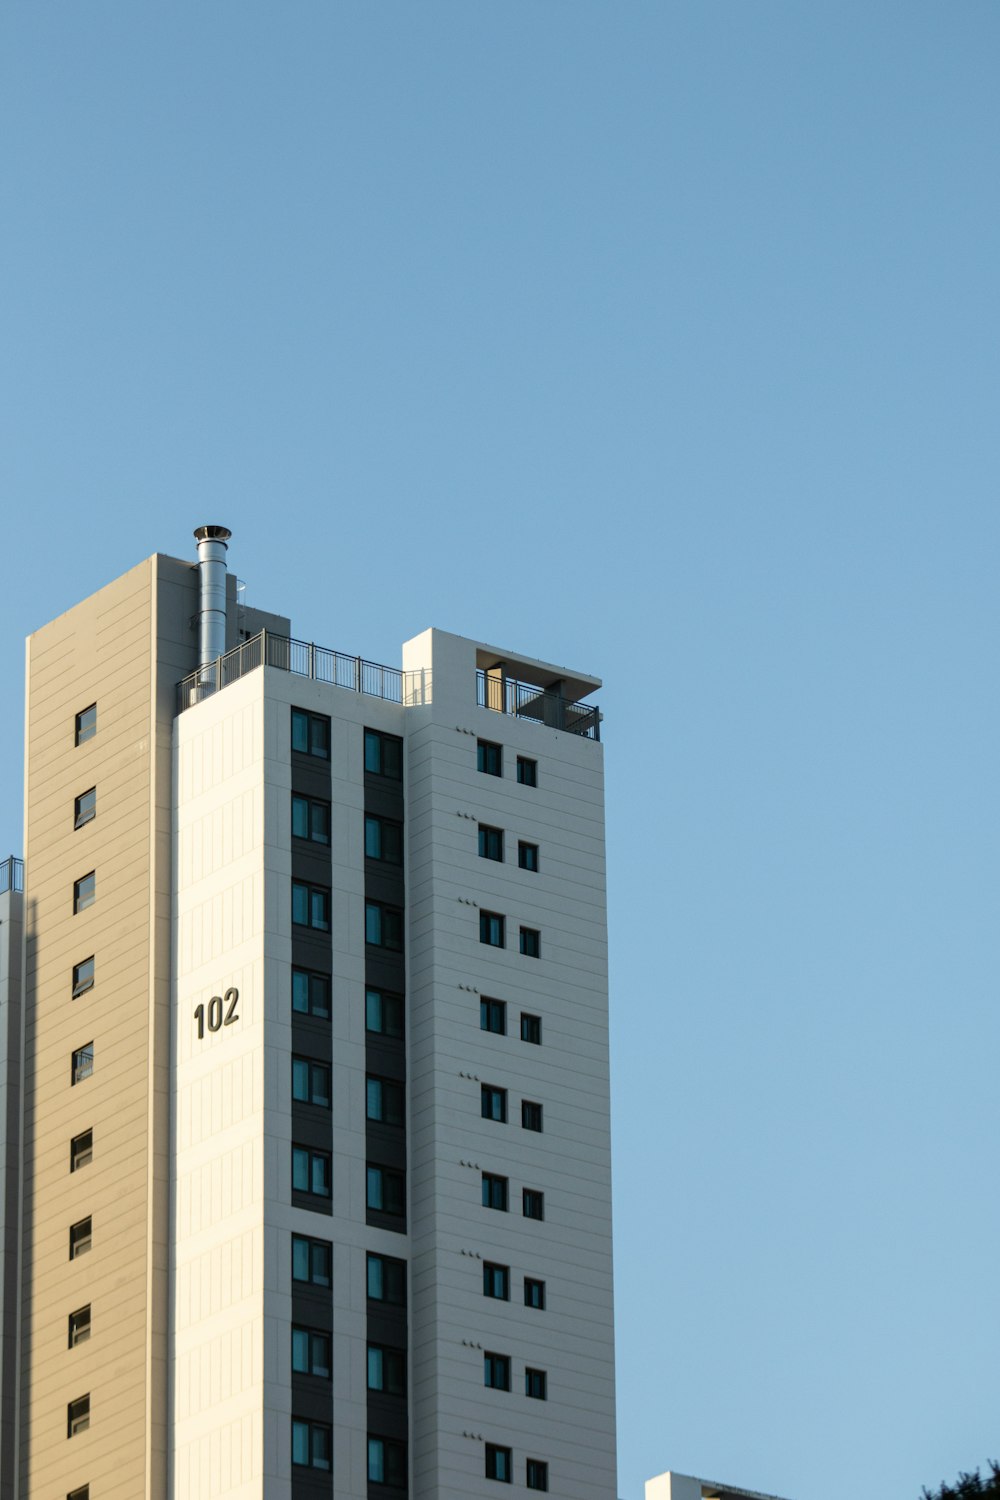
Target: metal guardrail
11,874
527,701
299,657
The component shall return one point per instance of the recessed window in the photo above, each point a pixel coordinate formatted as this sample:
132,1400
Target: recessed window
531,1029
534,1293
527,856
84,891
310,819
383,926
493,1016
383,755
496,1281
81,1151
531,1115
311,994
489,757
81,1237
311,1082
85,807
383,840
533,1203
83,1063
385,1101
310,906
83,977
311,1172
496,1371
311,1352
495,1191
536,1475
386,1191
86,724
386,1462
79,1326
536,1384
387,1280
490,842
83,1493
386,1370
310,734
78,1416
494,1103
312,1261
531,942
498,1463
527,771
492,929
312,1446
384,1013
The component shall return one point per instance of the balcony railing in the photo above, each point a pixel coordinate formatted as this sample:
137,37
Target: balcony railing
11,874
299,657
527,701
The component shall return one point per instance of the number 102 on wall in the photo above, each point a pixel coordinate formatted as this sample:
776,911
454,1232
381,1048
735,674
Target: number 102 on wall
220,1011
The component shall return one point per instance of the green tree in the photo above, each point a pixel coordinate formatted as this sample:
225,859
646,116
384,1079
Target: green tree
968,1485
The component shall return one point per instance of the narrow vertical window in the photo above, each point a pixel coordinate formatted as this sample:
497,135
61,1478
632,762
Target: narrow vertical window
86,724
85,807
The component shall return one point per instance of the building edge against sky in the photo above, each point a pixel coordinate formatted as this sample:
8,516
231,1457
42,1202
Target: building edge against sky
334,1198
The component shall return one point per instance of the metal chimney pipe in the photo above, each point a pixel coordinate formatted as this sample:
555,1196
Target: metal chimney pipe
212,605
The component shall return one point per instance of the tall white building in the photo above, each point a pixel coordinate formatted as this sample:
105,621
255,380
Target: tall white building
316,1167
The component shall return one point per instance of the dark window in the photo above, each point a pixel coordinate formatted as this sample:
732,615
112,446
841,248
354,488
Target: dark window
386,1191
531,1115
311,1082
83,1493
311,1445
385,1101
81,1237
494,1103
536,1385
496,1371
384,1013
533,1203
527,771
496,1281
311,994
531,1028
498,1464
386,1370
81,1151
383,840
489,757
311,1171
84,892
310,906
78,1416
383,926
490,842
86,724
534,1293
83,977
85,807
311,1352
83,1063
387,1280
386,1462
310,819
312,1261
531,942
536,1474
79,1326
527,856
310,733
492,929
494,1191
493,1016
383,755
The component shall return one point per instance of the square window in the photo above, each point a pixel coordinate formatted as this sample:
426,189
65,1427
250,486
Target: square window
536,1385
311,1352
311,994
493,1016
385,1101
536,1474
386,1370
383,840
490,842
534,1293
78,1416
387,1280
81,1151
310,734
495,1191
384,1013
311,1445
81,1237
310,819
496,1281
494,1103
311,1172
533,1203
310,906
387,1462
531,942
86,724
85,807
498,1464
531,1115
84,892
83,977
496,1371
312,1261
386,1191
527,856
527,771
531,1028
383,755
489,757
383,926
83,1063
79,1326
311,1082
492,929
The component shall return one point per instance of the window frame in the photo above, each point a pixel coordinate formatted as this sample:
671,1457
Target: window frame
79,1071
536,1474
84,812
496,1192
529,1117
491,842
313,1157
531,1022
79,1244
82,986
487,919
81,1150
312,1430
78,1415
493,1103
380,826
395,925
398,1269
499,1463
313,892
312,1244
379,741
494,1364
84,729
388,1003
530,942
390,1358
488,1008
524,776
527,856
315,1365
395,1474
313,1008
496,1274
532,1199
79,1326
313,721
383,1088
313,1067
387,1176
312,805
534,1293
536,1383
84,894
484,756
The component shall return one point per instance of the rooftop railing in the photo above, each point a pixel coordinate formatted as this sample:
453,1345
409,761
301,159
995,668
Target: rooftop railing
11,874
525,700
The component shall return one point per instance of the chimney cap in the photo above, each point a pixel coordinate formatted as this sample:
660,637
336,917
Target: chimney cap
212,534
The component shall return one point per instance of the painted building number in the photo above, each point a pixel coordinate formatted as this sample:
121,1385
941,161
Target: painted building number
216,1020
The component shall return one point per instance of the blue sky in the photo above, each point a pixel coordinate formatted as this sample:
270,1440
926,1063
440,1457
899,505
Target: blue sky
662,340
